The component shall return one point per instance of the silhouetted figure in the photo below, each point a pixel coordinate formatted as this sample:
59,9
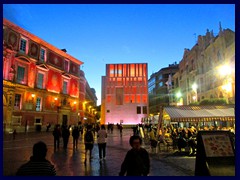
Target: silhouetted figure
136,162
14,134
57,134
38,165
88,140
65,136
48,127
75,135
120,127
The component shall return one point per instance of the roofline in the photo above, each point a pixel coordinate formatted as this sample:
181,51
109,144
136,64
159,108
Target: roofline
39,40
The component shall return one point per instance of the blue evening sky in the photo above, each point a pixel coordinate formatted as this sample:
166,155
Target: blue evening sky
133,33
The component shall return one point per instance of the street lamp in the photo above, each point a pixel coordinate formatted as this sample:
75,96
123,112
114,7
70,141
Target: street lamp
194,88
225,71
179,95
33,95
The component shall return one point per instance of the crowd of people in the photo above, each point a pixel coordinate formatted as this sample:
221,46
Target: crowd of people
136,161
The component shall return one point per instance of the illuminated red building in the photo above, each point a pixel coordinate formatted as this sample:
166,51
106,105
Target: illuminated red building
40,82
124,93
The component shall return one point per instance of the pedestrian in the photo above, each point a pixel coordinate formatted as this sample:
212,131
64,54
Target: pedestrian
65,136
38,165
111,127
48,127
57,134
14,133
120,127
153,140
101,138
136,162
75,135
88,141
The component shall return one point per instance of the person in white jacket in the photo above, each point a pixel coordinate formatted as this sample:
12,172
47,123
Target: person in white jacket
101,139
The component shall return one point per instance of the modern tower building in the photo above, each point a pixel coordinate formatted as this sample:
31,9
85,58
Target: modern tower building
124,93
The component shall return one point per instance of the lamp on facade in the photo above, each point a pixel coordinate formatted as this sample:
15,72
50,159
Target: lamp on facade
194,88
33,95
225,71
179,95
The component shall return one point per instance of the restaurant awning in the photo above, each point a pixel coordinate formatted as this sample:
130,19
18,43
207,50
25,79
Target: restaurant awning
199,113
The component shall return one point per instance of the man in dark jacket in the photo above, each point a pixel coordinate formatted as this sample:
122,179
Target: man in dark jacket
57,134
75,135
65,136
38,165
136,162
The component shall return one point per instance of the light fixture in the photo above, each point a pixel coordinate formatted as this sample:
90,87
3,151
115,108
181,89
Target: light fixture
55,98
33,95
194,87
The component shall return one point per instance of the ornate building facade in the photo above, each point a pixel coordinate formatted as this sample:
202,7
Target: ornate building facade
88,101
207,70
124,93
40,82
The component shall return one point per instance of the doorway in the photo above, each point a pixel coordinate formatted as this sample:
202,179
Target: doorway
64,120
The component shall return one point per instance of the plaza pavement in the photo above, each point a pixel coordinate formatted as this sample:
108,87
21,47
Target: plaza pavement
71,162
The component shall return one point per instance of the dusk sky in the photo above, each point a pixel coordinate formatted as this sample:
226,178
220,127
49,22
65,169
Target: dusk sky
138,33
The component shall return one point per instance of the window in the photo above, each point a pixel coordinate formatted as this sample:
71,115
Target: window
38,104
144,109
23,45
65,85
17,101
66,65
161,84
119,96
40,80
42,54
20,74
138,110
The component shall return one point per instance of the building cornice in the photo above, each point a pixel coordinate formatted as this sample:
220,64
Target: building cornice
40,41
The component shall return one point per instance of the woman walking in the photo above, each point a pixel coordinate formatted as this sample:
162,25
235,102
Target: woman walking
101,138
88,140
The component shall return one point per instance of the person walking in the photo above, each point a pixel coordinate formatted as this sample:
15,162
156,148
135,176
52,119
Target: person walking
14,134
65,136
120,127
101,138
38,165
57,134
88,141
136,162
75,135
153,140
